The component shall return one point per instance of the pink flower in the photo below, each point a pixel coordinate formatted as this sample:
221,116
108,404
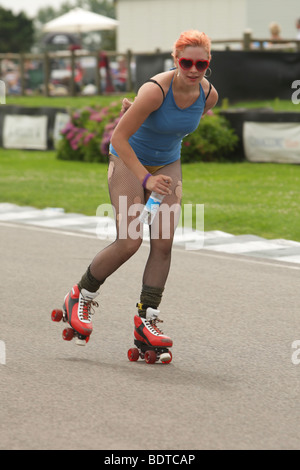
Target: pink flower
76,115
104,147
74,144
67,127
71,133
110,126
77,137
87,138
96,116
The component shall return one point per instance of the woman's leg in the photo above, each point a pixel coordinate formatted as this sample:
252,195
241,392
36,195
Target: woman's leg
79,301
161,240
122,183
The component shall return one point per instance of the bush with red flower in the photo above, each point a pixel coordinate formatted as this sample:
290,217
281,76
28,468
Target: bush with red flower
87,135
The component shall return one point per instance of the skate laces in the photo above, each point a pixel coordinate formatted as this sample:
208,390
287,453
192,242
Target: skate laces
153,327
86,309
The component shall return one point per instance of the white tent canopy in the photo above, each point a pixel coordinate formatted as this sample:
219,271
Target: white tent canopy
80,21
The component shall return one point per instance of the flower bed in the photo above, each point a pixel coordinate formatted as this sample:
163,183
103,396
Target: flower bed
87,135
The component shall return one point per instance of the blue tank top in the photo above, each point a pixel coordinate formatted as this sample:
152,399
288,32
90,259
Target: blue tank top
158,141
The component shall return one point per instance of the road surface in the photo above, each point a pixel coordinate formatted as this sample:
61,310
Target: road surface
234,379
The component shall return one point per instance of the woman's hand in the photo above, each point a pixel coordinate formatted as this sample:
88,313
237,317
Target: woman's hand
160,184
125,105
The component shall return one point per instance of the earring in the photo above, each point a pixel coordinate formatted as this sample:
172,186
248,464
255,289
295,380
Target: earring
210,72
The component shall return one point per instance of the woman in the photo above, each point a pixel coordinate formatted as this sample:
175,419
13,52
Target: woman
145,157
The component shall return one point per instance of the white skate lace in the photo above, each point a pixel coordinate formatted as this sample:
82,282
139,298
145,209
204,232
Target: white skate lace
153,327
86,309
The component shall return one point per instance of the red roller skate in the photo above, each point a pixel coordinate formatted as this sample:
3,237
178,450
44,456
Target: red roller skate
77,311
151,344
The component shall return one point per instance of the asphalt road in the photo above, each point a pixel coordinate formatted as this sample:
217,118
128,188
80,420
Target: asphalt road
232,383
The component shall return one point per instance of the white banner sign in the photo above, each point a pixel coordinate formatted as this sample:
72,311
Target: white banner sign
277,142
61,119
25,132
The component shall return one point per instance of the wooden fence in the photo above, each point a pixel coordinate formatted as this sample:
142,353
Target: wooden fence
247,43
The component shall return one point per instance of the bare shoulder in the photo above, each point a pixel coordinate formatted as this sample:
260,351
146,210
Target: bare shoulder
148,99
213,95
164,79
206,85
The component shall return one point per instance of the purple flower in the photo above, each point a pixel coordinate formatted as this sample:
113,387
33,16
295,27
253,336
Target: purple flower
96,116
67,127
105,144
87,138
74,144
76,115
71,133
110,126
77,137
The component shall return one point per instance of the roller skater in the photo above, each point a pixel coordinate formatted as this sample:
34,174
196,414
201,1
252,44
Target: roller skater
144,158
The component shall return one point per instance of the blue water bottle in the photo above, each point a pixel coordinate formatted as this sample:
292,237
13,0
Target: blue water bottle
151,208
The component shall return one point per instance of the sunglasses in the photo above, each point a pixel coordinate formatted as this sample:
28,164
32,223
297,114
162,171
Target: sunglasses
187,64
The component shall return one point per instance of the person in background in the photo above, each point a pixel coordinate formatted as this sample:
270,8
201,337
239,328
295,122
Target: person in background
275,35
298,29
275,31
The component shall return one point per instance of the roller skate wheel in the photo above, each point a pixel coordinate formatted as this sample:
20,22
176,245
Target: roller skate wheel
166,358
56,315
133,354
68,334
150,357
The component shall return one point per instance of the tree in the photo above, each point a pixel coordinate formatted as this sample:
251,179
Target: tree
16,32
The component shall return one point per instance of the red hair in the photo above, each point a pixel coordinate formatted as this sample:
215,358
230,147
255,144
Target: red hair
192,38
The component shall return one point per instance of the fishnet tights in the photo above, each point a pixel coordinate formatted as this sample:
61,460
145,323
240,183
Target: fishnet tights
122,182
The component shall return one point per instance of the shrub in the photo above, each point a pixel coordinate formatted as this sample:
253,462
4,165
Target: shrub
214,140
87,135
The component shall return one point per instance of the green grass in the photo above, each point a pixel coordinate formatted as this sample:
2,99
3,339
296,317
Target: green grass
80,101
64,101
247,198
239,198
39,179
275,104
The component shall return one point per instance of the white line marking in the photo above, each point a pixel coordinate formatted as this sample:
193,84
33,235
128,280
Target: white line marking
198,252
